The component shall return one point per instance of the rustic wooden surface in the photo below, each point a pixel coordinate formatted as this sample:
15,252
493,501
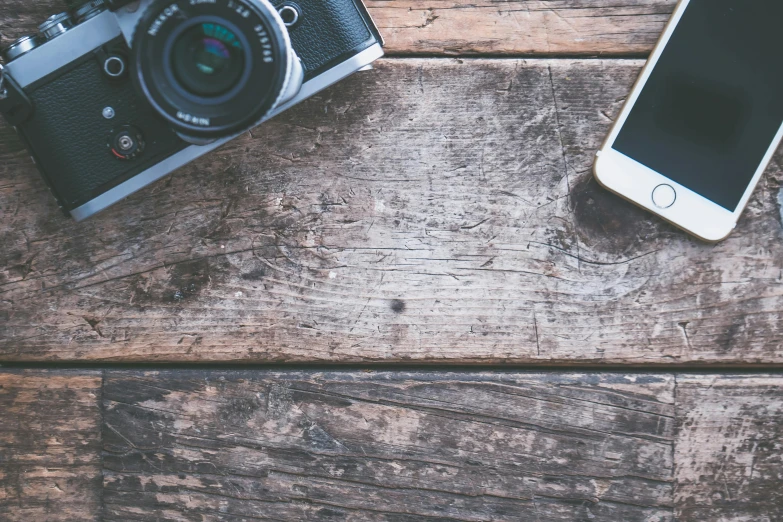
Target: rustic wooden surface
359,447
729,451
435,210
430,210
393,446
512,27
50,464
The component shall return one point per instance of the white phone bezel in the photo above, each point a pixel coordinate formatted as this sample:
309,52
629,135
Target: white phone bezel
636,182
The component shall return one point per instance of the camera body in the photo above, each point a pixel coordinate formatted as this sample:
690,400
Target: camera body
119,94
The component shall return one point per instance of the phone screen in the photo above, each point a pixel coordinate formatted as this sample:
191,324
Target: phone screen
714,102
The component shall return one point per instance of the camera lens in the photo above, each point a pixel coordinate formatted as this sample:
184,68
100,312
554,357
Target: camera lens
208,59
212,69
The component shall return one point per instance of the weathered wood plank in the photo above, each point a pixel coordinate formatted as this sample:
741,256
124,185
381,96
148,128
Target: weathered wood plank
296,445
387,446
729,459
430,210
514,27
50,466
343,238
511,27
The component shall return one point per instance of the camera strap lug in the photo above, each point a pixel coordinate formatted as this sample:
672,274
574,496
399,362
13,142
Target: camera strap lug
3,90
14,103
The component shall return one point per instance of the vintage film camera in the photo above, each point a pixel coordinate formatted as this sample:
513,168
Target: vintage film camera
117,94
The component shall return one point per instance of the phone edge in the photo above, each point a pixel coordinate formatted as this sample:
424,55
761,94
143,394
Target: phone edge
609,134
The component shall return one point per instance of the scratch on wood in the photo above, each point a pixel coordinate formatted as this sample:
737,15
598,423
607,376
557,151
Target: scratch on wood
538,343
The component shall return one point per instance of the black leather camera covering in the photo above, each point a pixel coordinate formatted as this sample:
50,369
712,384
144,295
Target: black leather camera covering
329,32
68,134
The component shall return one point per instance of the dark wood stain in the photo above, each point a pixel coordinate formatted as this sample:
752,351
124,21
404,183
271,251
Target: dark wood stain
609,223
398,306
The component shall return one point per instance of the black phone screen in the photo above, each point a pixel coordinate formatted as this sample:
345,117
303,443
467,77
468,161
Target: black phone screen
714,102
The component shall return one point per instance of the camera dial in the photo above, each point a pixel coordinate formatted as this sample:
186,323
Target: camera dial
89,10
21,46
127,143
216,68
290,13
56,25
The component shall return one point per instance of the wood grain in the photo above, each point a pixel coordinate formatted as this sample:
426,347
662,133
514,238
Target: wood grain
50,465
729,449
182,446
515,27
512,27
428,211
395,446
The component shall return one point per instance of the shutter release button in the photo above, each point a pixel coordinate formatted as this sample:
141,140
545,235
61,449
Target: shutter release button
664,196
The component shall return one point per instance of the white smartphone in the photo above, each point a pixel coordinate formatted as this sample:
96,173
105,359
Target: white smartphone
705,117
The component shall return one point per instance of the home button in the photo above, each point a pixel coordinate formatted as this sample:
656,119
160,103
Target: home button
664,196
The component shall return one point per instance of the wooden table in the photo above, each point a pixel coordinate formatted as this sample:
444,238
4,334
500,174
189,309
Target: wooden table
523,345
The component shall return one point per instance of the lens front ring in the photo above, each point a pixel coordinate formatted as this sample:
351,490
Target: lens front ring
186,60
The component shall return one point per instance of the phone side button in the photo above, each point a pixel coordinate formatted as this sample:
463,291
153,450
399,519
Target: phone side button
664,196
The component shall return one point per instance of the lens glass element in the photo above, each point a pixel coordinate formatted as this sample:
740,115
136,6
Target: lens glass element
212,68
208,59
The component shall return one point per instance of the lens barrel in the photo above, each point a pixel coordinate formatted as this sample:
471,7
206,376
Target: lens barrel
212,69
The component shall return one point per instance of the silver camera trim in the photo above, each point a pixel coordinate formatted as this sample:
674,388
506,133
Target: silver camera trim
3,89
107,66
289,9
52,55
